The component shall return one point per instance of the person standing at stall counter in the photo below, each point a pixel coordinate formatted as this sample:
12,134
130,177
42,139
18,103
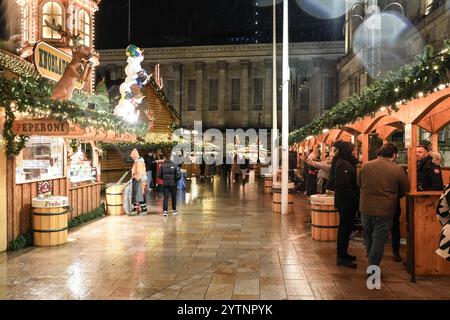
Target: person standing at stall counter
429,175
139,184
382,183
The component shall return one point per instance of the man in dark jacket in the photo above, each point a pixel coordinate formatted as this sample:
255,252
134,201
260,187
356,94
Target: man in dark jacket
429,175
346,199
167,172
382,183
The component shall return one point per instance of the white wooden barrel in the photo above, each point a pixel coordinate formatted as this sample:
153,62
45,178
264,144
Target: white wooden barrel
114,199
49,221
268,183
276,203
324,218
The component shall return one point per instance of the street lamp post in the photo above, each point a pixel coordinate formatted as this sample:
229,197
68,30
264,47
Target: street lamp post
285,122
275,162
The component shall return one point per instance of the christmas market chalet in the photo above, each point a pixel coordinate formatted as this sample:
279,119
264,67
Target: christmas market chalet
51,125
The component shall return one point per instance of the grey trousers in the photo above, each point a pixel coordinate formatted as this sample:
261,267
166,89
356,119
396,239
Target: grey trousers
376,233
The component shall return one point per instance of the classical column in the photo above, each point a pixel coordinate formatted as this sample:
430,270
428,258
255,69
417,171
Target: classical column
222,67
245,64
293,64
317,87
200,107
268,93
178,86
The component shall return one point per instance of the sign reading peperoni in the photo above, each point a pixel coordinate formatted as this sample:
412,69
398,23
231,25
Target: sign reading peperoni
41,127
51,62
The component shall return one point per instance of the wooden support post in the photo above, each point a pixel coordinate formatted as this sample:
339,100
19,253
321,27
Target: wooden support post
323,149
412,158
3,188
435,142
365,148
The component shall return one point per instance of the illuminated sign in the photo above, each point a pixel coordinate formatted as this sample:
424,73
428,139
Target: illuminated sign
51,62
41,127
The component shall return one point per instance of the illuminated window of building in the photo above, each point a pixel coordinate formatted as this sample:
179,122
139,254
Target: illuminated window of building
52,12
26,22
84,27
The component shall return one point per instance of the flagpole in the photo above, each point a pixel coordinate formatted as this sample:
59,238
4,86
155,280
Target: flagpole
275,162
285,122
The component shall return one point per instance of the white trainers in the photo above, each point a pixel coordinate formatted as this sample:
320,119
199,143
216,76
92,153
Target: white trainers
165,213
175,212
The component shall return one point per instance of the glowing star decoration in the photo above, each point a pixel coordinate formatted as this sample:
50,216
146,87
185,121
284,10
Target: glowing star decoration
130,90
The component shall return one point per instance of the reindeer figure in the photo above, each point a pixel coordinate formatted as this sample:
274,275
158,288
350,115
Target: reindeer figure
78,69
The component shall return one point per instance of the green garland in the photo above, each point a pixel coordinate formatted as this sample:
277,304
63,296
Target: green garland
21,242
31,95
83,218
149,144
424,75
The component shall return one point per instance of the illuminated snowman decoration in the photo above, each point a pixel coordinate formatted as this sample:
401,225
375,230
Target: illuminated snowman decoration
130,90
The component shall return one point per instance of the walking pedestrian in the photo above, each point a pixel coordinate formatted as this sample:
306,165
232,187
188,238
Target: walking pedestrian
383,183
346,200
169,173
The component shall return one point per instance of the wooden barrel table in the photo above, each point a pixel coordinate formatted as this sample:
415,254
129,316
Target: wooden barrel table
49,221
324,218
268,183
276,203
114,199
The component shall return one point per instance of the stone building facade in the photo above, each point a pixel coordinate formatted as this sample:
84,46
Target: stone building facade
231,86
431,21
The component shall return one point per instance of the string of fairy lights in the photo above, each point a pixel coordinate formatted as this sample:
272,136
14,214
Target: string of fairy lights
429,73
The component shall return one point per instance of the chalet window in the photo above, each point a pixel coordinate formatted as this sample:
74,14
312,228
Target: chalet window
53,13
84,27
213,94
258,92
235,94
26,23
192,95
41,159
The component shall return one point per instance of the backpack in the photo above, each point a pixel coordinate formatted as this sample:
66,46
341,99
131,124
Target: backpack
178,174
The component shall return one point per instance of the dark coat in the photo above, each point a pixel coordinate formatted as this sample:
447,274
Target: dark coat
429,176
382,183
149,163
167,173
346,197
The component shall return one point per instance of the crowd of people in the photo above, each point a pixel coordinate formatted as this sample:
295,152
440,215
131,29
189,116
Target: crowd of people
156,172
373,193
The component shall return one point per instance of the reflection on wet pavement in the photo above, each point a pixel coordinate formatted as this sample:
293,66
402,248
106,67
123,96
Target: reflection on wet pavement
225,243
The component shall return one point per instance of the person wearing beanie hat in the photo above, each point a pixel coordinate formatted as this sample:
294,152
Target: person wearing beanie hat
139,183
429,175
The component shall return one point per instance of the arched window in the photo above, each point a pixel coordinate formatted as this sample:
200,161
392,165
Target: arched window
26,23
53,13
84,27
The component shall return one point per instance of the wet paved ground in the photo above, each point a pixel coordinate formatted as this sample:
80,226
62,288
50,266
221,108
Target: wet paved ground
224,244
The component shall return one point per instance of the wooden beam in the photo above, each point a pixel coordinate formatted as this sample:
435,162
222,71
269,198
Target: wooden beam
412,159
365,148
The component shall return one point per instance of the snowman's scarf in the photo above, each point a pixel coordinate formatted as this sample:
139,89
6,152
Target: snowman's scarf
443,213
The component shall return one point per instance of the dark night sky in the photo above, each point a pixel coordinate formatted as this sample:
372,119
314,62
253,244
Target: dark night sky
157,23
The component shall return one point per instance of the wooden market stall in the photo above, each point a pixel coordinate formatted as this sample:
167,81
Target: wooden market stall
431,114
160,117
